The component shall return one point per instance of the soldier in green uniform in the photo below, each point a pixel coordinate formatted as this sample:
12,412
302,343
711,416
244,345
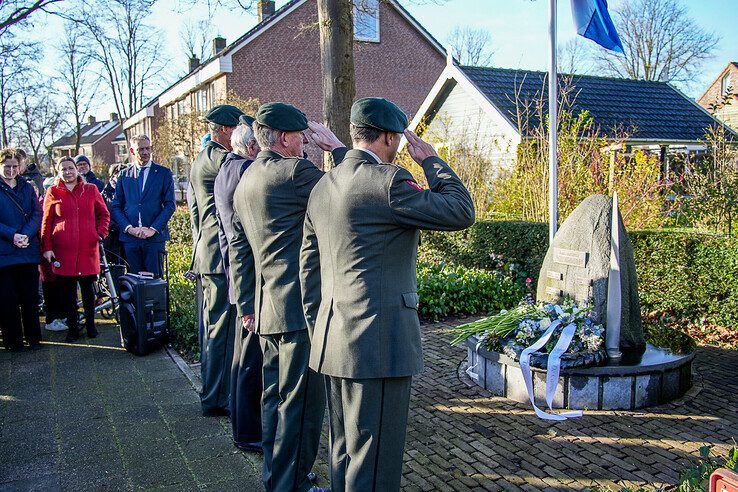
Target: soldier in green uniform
357,271
217,316
270,203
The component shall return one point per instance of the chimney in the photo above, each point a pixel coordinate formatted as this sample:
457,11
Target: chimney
90,120
194,63
113,116
265,9
218,44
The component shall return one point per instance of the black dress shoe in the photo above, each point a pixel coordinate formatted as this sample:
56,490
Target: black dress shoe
249,447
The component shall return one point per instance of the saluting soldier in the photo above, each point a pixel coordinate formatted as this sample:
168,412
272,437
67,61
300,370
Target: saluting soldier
357,271
246,366
217,316
270,205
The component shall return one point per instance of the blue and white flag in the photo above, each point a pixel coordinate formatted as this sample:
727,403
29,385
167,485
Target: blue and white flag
593,22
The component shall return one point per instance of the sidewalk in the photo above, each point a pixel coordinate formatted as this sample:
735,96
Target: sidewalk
92,416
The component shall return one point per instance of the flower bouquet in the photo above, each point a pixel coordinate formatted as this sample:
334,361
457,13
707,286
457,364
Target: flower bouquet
511,332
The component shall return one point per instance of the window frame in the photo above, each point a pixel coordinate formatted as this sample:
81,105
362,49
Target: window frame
724,87
368,39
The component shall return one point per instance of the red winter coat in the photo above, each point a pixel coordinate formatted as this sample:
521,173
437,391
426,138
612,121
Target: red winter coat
73,224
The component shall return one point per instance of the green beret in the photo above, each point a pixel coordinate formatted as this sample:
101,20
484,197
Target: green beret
224,114
282,116
378,113
245,119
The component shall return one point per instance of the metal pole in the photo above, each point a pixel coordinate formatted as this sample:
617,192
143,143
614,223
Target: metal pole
553,188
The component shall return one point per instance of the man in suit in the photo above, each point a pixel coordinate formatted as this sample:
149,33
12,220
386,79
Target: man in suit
357,272
142,206
270,205
217,316
246,384
85,170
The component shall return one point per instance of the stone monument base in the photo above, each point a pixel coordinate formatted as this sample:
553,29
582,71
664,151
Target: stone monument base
658,377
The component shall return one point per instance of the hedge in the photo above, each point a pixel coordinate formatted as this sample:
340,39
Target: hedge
689,275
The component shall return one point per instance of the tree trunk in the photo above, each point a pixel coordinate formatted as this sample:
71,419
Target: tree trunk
336,19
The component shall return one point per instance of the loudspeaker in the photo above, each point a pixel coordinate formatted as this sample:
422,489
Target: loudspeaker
144,320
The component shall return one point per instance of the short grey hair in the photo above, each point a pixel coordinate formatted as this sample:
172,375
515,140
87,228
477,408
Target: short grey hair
266,136
137,138
364,134
215,129
241,137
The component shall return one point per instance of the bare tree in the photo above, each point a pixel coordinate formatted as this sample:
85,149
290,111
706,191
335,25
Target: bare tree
40,119
660,40
471,46
74,75
15,66
18,12
195,37
128,51
574,57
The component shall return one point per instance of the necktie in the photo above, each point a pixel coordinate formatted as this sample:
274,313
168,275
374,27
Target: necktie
141,179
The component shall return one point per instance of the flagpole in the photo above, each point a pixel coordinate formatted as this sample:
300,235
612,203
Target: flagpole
553,188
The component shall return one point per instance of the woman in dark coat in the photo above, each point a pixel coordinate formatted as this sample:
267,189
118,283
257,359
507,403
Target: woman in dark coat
75,220
20,218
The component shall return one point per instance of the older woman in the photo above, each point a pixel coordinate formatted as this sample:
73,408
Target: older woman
20,218
75,220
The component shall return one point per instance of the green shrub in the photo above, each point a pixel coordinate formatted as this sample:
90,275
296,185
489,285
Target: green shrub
180,230
446,290
183,311
689,275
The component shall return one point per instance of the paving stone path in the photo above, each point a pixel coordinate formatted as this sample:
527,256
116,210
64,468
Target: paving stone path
92,417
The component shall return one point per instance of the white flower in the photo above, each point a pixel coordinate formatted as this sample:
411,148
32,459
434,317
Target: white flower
545,323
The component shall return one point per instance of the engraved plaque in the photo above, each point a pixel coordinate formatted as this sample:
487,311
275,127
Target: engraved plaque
584,281
555,275
570,257
554,291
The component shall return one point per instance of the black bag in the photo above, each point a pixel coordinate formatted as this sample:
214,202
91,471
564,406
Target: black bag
144,313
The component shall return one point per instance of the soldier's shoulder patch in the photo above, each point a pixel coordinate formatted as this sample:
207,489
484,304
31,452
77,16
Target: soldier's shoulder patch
414,184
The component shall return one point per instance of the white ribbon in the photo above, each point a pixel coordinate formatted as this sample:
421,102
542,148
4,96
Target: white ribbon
554,367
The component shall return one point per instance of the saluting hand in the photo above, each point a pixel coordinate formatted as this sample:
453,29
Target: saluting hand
418,149
323,137
248,322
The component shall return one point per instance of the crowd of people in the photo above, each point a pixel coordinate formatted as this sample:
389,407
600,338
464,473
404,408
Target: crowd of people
306,279
307,285
51,231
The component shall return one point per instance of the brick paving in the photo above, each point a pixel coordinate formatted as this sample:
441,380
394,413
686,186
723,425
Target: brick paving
92,416
461,437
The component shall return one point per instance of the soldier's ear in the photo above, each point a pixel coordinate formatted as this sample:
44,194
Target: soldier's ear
388,137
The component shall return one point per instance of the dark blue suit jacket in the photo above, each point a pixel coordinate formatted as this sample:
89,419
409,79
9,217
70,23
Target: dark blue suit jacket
155,207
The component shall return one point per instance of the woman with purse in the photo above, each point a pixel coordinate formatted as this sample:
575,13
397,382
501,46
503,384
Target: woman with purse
75,220
20,253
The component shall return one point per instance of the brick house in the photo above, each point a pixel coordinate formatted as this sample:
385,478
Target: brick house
726,84
99,142
279,60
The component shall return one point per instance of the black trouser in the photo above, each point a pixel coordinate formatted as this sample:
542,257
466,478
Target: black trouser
246,387
68,295
52,303
19,305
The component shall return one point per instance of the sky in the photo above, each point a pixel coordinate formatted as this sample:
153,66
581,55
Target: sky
519,29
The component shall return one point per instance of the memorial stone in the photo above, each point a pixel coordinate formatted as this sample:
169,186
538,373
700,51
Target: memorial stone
577,265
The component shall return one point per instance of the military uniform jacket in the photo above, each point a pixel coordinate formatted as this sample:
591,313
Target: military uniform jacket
276,189
206,256
358,262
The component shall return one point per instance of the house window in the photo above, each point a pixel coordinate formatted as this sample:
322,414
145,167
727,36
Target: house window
725,86
202,100
366,20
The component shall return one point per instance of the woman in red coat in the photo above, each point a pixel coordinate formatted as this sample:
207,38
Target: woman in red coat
75,220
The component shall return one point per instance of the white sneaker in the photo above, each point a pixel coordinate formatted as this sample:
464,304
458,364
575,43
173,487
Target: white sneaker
56,325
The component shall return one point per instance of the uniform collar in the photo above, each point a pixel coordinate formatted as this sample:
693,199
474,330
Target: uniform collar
369,153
